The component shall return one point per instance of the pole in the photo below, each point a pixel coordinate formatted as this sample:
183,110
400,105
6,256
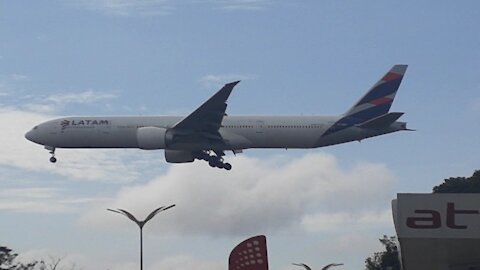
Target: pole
141,248
141,224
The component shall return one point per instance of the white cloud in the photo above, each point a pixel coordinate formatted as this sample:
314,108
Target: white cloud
186,262
347,220
33,206
28,193
9,83
257,195
54,103
88,96
242,4
349,245
16,150
40,108
217,81
95,262
128,7
41,200
90,165
52,257
19,77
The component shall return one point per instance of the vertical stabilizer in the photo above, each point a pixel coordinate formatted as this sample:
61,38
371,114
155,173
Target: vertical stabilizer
375,103
378,100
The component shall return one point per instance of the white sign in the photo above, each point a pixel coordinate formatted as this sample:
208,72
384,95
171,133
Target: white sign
450,215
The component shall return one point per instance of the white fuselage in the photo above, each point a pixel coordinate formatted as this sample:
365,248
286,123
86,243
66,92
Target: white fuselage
237,132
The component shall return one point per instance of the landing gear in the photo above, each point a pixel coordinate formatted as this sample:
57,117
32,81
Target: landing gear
220,164
215,161
52,152
227,166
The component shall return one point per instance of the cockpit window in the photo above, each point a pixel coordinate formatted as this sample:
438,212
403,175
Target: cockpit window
35,127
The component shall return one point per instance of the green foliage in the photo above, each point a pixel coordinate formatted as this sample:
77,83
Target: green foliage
385,260
7,261
460,184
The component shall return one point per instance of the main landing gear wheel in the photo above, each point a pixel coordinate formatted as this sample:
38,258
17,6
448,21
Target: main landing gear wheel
212,163
227,166
213,160
53,160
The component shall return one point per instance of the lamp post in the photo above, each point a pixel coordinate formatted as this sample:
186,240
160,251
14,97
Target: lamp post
141,224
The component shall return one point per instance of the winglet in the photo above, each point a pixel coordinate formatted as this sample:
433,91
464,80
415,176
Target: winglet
232,84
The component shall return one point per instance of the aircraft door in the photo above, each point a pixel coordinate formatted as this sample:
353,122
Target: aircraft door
260,126
103,134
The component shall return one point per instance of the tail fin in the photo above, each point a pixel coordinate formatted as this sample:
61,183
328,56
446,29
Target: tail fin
375,103
378,100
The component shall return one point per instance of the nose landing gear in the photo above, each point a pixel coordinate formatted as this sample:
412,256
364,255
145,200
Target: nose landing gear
52,152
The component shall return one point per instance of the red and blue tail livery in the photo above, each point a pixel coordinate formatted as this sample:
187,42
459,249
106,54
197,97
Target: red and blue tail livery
375,103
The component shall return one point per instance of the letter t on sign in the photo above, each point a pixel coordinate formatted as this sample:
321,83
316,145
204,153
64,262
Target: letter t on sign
451,212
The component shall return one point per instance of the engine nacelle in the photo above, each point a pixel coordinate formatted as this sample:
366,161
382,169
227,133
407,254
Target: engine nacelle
178,156
151,138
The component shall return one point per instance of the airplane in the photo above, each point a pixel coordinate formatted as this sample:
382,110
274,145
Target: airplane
208,132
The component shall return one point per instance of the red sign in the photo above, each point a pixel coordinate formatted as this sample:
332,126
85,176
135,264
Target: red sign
251,254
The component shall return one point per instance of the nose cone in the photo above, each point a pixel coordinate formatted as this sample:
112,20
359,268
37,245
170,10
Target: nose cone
31,136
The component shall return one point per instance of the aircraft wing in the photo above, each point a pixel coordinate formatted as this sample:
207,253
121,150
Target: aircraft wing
208,117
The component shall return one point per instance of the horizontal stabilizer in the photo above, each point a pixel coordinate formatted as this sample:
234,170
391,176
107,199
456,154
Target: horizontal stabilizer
381,121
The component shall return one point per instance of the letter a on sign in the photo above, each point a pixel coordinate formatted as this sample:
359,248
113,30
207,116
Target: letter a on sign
430,220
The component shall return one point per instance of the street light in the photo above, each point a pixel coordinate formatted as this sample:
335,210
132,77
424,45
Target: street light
141,224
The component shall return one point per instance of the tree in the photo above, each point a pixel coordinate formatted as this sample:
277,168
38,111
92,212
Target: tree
385,260
460,184
7,261
55,263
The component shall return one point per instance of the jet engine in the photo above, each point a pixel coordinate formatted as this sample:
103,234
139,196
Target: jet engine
151,138
178,156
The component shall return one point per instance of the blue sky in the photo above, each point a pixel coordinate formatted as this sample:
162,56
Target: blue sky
121,57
